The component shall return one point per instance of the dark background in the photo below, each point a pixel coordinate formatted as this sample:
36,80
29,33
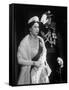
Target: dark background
22,12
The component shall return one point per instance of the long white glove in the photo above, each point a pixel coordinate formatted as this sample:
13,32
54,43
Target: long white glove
60,62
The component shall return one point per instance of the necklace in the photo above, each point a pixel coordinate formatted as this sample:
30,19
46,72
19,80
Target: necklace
34,42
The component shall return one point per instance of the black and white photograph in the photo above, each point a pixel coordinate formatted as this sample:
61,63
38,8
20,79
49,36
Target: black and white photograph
37,44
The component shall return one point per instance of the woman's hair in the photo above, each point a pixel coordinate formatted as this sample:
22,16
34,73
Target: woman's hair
31,24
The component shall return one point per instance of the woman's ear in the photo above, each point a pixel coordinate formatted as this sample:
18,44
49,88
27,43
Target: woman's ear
30,30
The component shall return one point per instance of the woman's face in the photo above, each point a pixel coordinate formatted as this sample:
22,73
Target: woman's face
35,29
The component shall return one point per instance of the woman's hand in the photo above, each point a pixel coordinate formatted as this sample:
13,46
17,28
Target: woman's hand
37,63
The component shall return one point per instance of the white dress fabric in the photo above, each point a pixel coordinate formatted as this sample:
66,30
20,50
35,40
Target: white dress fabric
44,69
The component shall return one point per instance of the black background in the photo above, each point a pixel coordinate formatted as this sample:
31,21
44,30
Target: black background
22,12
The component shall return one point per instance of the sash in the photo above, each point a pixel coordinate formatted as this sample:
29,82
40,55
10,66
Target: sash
39,53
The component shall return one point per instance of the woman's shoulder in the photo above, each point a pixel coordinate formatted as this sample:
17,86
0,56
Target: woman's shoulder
41,38
25,38
24,41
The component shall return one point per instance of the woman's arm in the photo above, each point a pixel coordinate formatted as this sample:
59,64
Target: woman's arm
22,60
22,54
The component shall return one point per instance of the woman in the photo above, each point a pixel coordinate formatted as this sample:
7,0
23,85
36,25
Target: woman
32,56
